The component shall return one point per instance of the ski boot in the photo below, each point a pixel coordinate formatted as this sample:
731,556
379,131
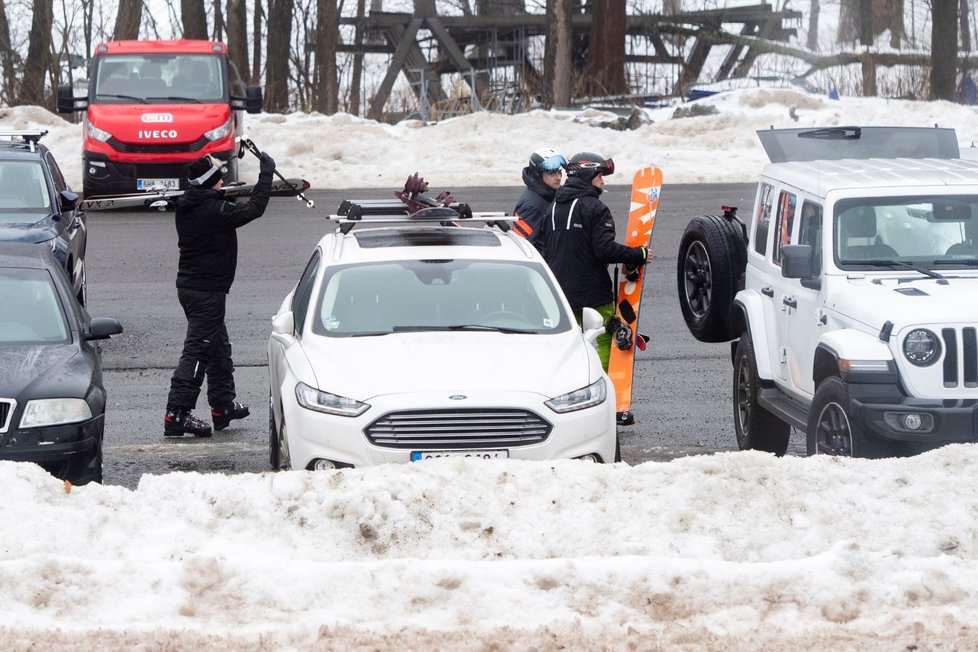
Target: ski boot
179,421
222,417
625,418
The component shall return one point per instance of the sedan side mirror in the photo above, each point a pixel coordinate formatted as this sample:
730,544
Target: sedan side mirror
283,324
102,328
593,325
69,200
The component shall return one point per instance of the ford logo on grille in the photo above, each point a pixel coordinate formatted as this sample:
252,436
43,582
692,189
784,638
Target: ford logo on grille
458,397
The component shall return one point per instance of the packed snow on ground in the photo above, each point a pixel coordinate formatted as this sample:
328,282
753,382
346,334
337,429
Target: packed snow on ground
726,551
489,149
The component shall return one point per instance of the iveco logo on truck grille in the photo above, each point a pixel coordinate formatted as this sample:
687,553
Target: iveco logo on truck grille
157,117
157,133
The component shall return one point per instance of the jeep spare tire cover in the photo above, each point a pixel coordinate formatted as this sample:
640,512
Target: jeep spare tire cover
712,259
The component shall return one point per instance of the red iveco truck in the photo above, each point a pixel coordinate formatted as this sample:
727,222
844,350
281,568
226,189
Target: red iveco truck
152,108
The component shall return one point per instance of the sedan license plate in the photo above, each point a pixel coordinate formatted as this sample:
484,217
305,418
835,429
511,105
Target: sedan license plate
157,184
417,456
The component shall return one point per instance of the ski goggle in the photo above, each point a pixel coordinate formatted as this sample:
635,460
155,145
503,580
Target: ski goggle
608,167
552,163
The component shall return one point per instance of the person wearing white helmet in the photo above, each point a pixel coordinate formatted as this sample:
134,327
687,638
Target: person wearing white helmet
542,178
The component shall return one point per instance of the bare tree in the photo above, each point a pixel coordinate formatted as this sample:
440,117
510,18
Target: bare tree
605,69
218,21
277,46
237,23
812,41
127,20
558,62
257,41
943,49
38,60
876,16
327,34
8,59
357,74
194,19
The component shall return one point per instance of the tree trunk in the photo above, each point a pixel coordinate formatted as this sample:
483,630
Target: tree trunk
218,21
38,54
256,58
943,49
127,20
605,71
237,24
812,40
965,28
558,63
357,74
327,92
194,19
277,47
8,59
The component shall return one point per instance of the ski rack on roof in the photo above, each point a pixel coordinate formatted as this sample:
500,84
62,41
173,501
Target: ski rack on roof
29,136
370,212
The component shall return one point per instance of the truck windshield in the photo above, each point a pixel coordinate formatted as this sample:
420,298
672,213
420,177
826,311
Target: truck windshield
160,79
894,232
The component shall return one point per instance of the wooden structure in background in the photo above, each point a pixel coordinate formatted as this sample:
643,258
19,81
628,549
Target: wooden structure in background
481,48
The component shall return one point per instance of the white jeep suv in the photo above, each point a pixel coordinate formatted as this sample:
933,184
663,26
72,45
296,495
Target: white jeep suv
851,296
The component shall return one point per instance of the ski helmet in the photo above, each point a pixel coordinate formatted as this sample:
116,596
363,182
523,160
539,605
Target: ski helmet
206,171
546,159
588,165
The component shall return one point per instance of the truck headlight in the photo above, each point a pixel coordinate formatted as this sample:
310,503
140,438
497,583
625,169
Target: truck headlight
585,397
314,399
921,347
101,135
220,132
55,412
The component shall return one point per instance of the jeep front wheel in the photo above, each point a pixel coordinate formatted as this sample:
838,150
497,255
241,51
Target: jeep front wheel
712,259
756,428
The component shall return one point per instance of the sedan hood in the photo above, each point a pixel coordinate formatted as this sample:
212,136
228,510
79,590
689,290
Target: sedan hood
27,227
41,370
364,367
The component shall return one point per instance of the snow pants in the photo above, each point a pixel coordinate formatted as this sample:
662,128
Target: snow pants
206,351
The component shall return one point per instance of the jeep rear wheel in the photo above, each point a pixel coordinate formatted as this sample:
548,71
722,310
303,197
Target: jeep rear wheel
756,428
712,259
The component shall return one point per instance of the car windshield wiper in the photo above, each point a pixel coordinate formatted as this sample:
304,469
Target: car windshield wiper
462,327
141,100
968,262
192,100
896,263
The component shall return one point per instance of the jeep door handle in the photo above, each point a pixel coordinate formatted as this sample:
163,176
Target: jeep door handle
790,302
768,292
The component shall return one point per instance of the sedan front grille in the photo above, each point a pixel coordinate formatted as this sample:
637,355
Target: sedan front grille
963,372
458,429
6,413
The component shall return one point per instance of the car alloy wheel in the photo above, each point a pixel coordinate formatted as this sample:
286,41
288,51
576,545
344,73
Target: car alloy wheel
699,279
833,435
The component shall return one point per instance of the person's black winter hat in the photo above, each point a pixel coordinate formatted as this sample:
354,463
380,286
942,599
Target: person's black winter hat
206,171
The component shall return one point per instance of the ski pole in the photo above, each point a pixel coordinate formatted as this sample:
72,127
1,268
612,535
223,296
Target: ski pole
251,147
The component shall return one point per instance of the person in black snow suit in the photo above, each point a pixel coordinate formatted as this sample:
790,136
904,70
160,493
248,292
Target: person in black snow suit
579,242
206,235
542,178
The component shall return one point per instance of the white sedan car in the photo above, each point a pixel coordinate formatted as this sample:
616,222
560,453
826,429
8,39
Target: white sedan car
416,340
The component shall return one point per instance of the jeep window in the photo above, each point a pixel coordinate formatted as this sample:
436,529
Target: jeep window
784,224
925,231
763,217
810,233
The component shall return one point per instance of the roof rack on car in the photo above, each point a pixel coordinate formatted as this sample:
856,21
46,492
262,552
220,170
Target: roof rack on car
29,136
366,212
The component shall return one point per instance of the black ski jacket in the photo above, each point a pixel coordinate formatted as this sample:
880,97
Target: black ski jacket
534,204
206,224
580,245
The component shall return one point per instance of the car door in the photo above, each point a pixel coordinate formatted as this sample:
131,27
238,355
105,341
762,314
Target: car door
73,227
759,258
283,354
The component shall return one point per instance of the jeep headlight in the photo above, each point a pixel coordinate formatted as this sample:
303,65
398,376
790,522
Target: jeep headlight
314,399
585,397
55,412
220,132
921,347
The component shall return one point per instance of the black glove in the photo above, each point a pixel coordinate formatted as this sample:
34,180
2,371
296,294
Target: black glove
632,272
266,163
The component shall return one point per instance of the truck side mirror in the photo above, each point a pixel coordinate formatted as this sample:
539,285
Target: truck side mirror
798,261
67,102
252,101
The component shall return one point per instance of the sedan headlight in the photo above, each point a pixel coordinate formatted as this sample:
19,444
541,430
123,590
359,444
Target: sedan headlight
220,132
101,135
314,399
593,394
921,347
55,412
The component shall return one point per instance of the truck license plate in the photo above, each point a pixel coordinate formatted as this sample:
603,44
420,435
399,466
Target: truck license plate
417,456
157,184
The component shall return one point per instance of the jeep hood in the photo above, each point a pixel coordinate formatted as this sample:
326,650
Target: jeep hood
915,300
158,123
364,367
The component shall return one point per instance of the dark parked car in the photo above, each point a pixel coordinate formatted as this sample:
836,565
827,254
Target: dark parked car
37,206
52,400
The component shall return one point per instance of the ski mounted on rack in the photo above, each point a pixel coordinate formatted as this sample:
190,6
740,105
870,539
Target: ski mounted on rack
413,205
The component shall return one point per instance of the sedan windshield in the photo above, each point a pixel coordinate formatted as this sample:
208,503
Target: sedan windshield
22,186
31,312
920,232
438,295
